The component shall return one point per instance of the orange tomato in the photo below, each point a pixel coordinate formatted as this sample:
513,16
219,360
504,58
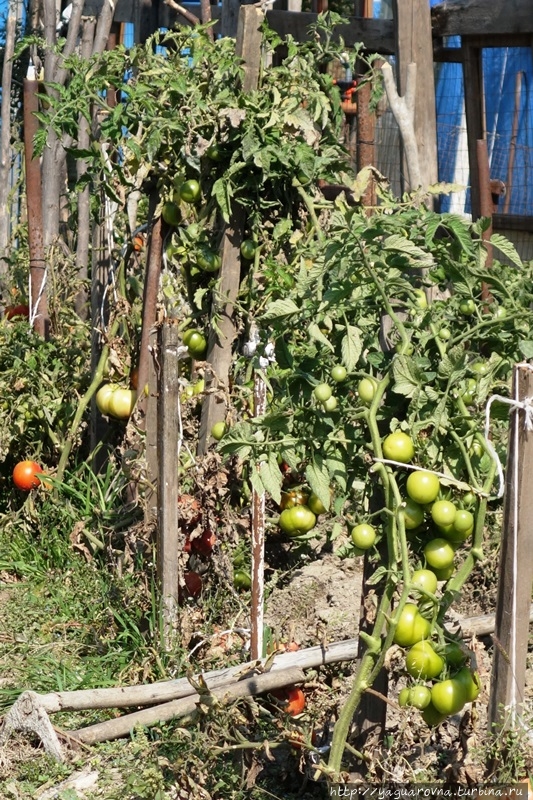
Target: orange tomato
25,475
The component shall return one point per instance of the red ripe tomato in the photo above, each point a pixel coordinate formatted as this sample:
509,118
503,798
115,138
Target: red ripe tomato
193,584
12,312
205,543
25,475
293,698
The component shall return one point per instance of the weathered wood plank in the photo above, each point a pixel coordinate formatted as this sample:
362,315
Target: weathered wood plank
515,580
475,127
169,547
414,46
463,17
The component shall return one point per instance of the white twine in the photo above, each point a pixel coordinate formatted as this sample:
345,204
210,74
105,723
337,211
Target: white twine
460,484
35,306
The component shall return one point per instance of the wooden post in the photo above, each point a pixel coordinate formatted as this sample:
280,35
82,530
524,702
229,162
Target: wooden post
516,566
168,550
475,126
415,46
219,346
151,431
486,206
38,304
258,542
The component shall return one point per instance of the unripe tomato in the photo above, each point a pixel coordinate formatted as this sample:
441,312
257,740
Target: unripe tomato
331,403
316,505
479,368
470,683
363,536
297,520
214,152
443,512
413,514
419,697
422,662
103,395
190,191
248,249
25,475
439,553
218,430
403,697
422,486
197,345
398,446
424,579
431,716
122,402
366,389
448,696
445,573
420,299
339,373
411,626
444,334
207,259
467,307
171,213
322,392
241,580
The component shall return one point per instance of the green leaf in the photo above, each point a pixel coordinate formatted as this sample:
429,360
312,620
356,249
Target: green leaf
280,308
461,231
526,348
256,481
407,377
319,480
271,477
316,334
400,244
507,248
351,347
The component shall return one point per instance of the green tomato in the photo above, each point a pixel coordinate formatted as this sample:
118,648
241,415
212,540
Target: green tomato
448,696
190,191
432,717
443,513
424,579
248,249
297,520
197,345
500,313
207,260
316,505
322,392
445,573
214,152
171,213
445,334
398,446
422,662
420,299
419,697
470,682
411,626
339,373
422,486
403,697
363,536
467,307
218,430
413,514
241,580
366,389
439,553
331,403
479,368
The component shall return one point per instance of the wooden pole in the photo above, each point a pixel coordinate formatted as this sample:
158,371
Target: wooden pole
414,45
516,565
220,341
474,114
38,303
169,545
258,542
485,207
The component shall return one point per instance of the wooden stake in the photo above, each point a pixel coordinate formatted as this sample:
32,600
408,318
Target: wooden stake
258,542
516,566
169,545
